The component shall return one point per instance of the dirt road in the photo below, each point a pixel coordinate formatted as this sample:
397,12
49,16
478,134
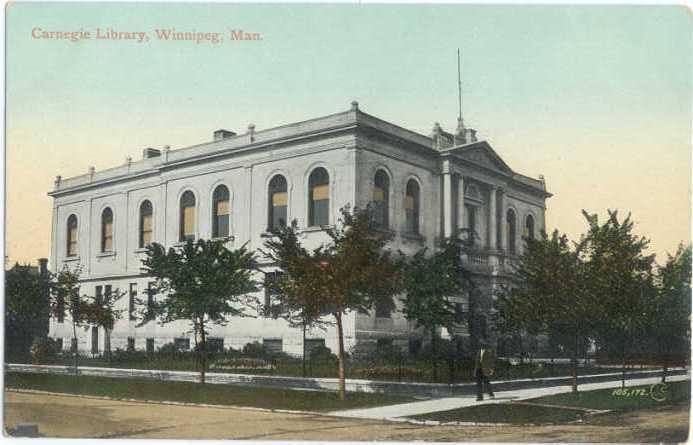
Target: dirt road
65,416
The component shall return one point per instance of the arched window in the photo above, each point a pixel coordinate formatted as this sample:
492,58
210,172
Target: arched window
278,200
529,227
319,198
107,230
412,203
187,216
511,225
72,235
381,200
146,223
220,209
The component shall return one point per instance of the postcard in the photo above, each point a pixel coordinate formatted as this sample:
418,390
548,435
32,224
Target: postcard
348,222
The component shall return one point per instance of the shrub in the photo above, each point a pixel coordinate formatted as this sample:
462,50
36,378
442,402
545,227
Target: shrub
254,349
323,354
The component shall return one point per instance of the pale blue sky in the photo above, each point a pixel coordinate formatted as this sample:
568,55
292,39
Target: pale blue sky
598,99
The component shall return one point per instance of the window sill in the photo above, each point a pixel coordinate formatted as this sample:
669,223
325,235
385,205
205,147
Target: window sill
105,254
69,259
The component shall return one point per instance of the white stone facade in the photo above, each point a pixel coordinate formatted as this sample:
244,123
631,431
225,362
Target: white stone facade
352,147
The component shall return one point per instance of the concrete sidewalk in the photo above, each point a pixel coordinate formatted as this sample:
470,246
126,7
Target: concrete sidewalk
444,404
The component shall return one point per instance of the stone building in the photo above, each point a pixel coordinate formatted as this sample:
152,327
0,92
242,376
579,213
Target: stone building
239,185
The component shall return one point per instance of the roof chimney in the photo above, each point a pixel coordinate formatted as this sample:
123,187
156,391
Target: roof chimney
150,153
43,267
223,134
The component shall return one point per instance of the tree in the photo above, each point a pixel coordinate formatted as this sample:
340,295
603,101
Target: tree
620,279
204,283
552,296
353,272
100,311
297,296
65,297
430,282
27,309
669,325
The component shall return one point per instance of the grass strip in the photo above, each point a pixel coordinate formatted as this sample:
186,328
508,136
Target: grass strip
140,389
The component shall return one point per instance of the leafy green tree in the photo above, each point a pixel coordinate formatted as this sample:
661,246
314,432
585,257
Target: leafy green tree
27,310
297,297
65,298
552,296
202,282
430,283
101,312
353,272
620,279
669,325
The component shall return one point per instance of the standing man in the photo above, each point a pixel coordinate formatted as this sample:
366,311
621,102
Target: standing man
483,369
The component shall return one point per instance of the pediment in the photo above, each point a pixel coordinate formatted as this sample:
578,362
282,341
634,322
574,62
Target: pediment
482,154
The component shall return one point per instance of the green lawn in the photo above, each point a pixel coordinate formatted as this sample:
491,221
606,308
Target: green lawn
637,397
505,413
259,397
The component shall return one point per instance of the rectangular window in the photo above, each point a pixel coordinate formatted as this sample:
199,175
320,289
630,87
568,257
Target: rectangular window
314,343
272,345
270,279
384,343
150,345
61,309
73,344
279,209
181,344
94,340
459,312
471,222
107,236
132,301
131,344
107,290
221,221
98,294
59,344
215,344
411,215
146,230
321,205
382,310
188,223
150,295
72,241
414,346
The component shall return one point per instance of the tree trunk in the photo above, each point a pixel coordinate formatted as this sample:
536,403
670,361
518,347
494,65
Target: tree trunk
203,352
107,344
303,358
623,367
75,352
573,362
340,337
434,352
451,361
